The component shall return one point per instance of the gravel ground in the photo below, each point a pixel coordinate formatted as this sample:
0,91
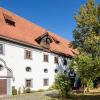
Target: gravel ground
46,96
33,96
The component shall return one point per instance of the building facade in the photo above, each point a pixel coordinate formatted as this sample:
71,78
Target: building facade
30,56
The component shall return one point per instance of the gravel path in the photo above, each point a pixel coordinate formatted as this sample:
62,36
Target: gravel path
33,96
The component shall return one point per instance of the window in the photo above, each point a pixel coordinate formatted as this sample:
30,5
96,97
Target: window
45,40
28,54
45,58
9,20
1,49
56,70
56,60
65,72
46,82
1,67
65,62
45,70
28,82
28,69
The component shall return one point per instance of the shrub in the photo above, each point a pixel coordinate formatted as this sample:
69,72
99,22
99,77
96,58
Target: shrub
90,84
26,90
14,91
62,83
53,87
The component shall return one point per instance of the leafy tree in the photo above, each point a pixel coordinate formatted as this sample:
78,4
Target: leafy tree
87,41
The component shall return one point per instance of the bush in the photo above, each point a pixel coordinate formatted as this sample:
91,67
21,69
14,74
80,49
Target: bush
53,87
14,91
27,90
90,84
62,83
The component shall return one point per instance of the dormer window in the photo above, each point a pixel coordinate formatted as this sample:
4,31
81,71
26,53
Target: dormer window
9,20
45,40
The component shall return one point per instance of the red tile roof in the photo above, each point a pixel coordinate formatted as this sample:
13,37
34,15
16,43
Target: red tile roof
27,32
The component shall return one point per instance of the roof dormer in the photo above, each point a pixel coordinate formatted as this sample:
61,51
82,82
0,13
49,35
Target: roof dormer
45,40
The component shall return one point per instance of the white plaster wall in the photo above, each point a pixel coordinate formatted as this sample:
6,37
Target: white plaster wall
3,72
9,86
14,58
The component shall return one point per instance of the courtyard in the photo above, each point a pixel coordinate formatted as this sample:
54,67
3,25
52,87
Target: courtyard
48,95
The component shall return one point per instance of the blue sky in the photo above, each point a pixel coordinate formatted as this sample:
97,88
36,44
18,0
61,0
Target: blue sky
54,15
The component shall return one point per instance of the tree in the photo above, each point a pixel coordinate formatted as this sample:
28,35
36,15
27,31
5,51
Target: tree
87,41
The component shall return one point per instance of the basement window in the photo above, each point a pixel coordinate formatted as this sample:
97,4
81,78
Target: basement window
9,20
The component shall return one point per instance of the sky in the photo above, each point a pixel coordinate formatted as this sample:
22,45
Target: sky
54,15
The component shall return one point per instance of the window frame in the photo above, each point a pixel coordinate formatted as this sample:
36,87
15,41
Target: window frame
45,58
56,60
45,70
56,70
29,70
45,82
31,84
28,56
3,49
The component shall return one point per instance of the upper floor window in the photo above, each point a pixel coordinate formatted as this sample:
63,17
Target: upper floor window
9,20
65,62
1,49
45,58
28,54
56,60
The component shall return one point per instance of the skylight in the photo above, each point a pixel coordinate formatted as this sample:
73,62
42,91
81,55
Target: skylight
9,20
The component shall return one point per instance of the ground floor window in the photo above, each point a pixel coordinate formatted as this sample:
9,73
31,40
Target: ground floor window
45,82
28,82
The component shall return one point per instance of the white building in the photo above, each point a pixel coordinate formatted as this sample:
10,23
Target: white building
30,56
